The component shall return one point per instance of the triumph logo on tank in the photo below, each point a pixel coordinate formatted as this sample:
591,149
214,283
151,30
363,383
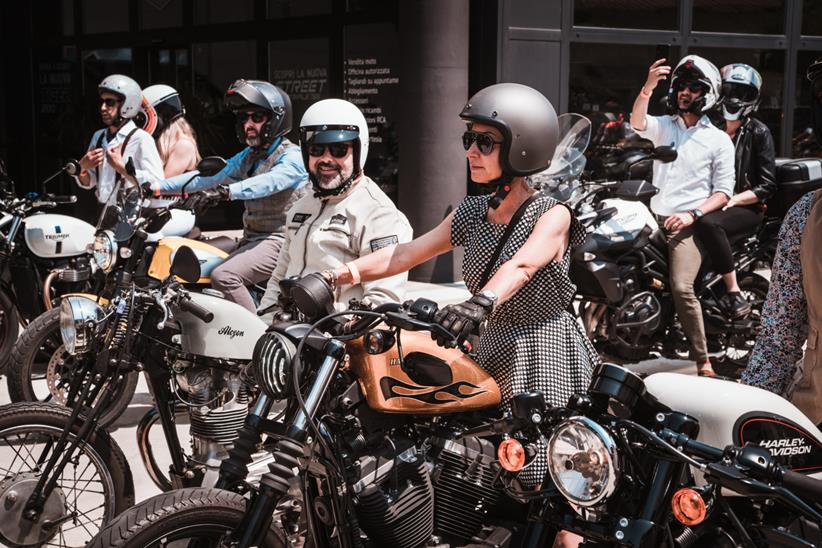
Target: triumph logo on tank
57,237
786,447
230,332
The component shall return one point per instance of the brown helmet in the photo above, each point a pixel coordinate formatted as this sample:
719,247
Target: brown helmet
525,118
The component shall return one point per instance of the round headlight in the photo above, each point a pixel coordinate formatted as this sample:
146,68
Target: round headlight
104,250
582,461
271,364
75,314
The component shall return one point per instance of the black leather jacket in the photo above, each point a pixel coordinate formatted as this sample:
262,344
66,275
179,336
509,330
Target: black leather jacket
755,166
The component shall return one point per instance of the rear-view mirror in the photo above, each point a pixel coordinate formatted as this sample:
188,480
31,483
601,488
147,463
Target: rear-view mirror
186,265
211,165
635,190
664,154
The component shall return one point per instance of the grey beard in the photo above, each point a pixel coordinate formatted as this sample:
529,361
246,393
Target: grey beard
330,183
253,141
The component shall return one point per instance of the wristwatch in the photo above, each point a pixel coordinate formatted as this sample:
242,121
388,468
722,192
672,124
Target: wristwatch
696,214
490,295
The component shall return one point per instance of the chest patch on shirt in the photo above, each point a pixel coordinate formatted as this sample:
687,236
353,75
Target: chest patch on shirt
300,218
385,241
338,219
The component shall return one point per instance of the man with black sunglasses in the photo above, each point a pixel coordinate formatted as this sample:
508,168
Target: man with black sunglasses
110,148
348,215
268,175
699,181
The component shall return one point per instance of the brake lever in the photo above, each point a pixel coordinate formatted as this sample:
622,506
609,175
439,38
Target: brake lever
160,298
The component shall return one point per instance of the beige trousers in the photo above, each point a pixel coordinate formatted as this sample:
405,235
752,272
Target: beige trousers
685,258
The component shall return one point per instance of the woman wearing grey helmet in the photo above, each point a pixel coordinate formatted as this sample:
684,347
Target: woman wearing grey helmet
530,341
755,178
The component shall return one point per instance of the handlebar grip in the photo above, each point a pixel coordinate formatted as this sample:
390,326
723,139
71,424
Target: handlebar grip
804,486
190,306
62,199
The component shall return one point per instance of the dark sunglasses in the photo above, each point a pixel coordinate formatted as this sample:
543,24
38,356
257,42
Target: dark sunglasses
256,117
485,143
109,102
693,87
337,150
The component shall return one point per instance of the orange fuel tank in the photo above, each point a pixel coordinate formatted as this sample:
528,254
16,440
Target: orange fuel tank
209,256
434,380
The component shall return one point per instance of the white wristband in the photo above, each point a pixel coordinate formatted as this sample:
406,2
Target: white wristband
355,273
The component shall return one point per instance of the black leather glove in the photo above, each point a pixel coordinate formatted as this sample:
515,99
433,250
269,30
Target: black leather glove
200,202
462,319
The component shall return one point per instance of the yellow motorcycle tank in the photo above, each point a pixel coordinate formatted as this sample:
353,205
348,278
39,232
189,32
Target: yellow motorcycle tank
435,380
209,256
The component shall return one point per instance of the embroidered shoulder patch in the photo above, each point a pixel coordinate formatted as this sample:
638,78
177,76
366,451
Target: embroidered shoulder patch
385,241
300,218
338,219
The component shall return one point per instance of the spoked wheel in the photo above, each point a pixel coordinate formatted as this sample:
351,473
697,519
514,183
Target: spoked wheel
93,488
184,518
9,328
737,346
41,370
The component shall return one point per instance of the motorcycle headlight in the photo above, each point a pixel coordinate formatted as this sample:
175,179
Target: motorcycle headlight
75,315
104,250
271,364
582,461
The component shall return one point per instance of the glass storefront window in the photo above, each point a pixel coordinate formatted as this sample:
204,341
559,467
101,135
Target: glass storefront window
220,11
371,81
804,142
300,67
104,16
649,14
161,14
297,8
771,65
812,18
740,16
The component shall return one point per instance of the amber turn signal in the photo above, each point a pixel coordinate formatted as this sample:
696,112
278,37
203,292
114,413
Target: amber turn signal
511,455
688,506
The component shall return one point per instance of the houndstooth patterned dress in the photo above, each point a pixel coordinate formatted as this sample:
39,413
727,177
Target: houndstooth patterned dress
530,342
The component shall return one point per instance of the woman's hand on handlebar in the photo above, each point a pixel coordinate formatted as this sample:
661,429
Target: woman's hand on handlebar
462,319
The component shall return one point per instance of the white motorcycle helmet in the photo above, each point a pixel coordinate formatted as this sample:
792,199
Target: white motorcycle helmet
161,106
693,68
334,121
129,92
741,84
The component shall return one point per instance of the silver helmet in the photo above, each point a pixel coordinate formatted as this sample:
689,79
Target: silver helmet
265,96
128,90
741,85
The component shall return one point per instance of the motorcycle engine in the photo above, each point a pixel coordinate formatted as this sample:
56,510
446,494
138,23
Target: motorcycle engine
218,404
404,495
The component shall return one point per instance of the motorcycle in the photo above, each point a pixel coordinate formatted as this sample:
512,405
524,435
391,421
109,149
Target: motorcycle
42,255
191,348
41,367
656,463
375,452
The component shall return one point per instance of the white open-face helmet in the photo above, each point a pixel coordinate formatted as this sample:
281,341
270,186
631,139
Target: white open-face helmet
693,68
161,106
128,90
335,121
740,90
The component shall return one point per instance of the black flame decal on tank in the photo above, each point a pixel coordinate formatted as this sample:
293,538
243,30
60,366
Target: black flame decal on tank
388,384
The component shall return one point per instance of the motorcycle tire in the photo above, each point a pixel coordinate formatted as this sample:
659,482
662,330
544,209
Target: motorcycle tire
41,424
169,517
9,328
40,348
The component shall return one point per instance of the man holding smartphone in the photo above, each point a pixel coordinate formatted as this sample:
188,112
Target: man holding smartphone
699,181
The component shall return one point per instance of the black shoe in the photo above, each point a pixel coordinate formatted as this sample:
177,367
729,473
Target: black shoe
737,305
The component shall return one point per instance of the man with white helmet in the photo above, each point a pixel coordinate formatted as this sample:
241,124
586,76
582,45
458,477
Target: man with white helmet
110,148
268,175
346,217
699,181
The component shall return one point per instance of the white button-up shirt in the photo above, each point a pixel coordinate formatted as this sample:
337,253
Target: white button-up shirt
704,163
140,147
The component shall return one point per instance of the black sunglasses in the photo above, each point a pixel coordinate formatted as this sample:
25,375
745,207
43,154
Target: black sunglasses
485,142
109,102
256,117
693,87
338,150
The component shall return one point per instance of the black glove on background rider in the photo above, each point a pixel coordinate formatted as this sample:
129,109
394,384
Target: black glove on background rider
462,319
199,202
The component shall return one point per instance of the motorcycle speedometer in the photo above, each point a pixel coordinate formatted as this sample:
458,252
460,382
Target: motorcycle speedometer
104,250
582,461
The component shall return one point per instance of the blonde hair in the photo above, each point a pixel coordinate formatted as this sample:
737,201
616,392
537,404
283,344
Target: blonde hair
171,135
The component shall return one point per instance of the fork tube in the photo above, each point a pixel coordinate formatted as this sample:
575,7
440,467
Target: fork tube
158,379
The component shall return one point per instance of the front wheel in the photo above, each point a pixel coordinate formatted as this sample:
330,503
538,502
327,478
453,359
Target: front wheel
94,486
41,370
9,328
206,516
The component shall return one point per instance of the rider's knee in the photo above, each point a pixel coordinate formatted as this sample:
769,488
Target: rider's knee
225,278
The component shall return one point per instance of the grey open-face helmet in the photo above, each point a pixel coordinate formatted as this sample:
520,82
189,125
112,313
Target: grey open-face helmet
741,84
127,90
527,121
261,95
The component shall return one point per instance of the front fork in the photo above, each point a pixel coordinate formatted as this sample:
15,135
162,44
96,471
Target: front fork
287,453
